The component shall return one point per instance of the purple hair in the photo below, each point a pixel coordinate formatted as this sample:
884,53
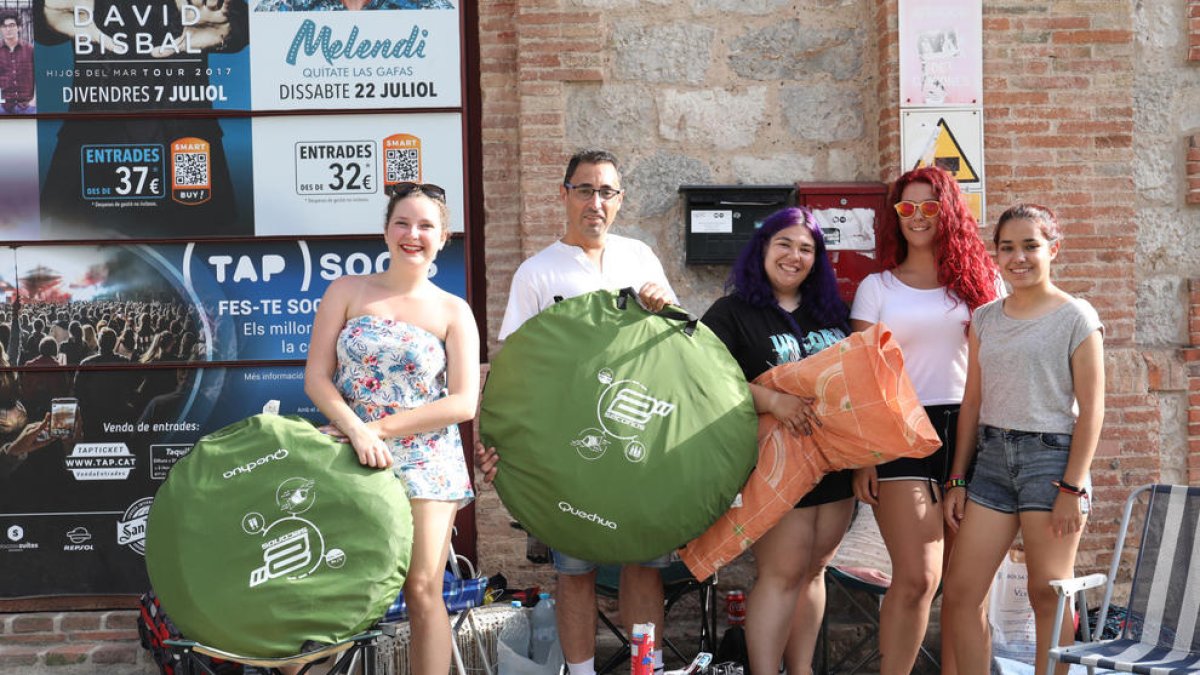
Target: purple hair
819,292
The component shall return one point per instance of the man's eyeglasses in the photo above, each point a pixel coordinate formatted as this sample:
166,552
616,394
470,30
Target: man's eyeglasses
402,190
928,208
586,192
10,25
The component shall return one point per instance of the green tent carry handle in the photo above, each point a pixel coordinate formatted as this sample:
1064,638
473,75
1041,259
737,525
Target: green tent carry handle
673,312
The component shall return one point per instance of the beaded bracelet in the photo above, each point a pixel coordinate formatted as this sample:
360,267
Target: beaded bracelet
955,482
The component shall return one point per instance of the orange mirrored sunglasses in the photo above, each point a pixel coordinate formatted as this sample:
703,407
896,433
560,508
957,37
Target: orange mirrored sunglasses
928,208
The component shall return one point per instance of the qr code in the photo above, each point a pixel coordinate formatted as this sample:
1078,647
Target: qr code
191,169
402,164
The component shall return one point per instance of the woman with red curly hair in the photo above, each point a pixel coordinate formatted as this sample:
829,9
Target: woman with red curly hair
937,273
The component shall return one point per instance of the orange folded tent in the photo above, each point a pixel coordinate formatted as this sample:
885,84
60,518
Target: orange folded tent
869,414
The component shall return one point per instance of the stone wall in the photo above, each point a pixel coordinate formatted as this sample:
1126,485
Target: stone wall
1166,119
1089,108
762,91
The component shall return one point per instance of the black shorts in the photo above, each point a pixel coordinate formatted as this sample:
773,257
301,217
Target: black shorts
935,467
833,487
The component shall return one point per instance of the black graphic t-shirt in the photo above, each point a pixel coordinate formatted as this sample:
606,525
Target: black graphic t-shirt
760,338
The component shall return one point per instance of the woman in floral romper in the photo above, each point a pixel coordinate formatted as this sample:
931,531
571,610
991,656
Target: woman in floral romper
394,365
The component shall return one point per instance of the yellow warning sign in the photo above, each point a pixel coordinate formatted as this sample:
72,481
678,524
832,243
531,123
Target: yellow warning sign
974,202
950,138
948,154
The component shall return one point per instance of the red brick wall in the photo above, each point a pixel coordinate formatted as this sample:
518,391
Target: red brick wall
101,640
1058,127
887,87
501,133
528,50
1191,356
1193,152
1194,30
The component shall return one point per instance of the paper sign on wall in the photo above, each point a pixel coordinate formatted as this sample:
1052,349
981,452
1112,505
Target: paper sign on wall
712,222
847,229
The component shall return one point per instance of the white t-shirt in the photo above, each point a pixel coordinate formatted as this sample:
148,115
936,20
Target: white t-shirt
566,271
930,326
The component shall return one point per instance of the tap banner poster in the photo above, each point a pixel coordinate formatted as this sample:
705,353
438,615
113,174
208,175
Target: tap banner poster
98,56
72,513
193,302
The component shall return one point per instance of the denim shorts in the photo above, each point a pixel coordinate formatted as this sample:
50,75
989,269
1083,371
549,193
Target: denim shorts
1014,469
568,566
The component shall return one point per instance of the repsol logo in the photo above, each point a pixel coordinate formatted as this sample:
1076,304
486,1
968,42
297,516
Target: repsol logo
566,507
281,453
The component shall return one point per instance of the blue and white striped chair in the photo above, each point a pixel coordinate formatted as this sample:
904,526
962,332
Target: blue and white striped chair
1159,637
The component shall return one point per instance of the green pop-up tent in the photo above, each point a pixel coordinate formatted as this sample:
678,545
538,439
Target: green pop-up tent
269,534
622,434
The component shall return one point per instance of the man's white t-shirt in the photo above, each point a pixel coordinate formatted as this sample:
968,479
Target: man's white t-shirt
566,271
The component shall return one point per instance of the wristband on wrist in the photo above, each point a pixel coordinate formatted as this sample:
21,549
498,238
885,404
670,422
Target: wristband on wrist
954,482
1067,488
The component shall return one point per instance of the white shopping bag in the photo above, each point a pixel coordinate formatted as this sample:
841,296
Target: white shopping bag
1014,631
1014,635
514,637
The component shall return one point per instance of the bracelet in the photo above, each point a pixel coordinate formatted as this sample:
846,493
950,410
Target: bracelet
1066,488
954,482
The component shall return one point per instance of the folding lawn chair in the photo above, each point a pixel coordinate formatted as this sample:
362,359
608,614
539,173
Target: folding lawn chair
349,652
365,648
1159,636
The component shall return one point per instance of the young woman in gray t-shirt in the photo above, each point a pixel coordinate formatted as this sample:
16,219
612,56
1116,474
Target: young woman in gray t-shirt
1032,411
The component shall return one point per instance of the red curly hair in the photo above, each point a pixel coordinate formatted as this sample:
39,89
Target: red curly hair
963,263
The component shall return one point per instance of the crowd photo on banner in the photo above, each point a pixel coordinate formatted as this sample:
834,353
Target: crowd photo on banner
244,371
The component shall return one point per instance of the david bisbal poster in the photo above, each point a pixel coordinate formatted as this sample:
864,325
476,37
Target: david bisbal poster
115,56
337,54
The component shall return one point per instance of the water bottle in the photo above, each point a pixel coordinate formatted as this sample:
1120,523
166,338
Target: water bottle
543,629
515,633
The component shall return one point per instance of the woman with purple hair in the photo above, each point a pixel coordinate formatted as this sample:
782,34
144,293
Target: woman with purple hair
781,305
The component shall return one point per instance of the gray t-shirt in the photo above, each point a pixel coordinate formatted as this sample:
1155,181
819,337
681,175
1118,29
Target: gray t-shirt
1025,366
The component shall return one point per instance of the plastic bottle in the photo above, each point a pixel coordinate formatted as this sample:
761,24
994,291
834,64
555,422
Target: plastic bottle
515,633
543,629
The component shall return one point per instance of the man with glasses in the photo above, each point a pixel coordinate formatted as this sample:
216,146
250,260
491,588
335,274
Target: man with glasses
588,258
16,68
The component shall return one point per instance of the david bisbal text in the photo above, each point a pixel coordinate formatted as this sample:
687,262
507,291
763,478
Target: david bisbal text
121,30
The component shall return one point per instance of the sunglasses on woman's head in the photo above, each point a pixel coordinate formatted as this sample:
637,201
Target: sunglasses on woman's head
928,208
402,190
